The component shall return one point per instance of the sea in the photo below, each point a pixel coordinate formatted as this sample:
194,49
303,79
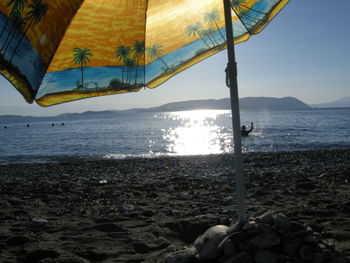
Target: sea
149,134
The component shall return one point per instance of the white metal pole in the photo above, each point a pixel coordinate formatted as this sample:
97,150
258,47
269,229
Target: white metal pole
236,123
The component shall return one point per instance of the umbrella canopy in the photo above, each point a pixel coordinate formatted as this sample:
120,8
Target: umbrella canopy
57,51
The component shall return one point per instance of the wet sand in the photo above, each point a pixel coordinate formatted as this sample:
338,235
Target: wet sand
139,210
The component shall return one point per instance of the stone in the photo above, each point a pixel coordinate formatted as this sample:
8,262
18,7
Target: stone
17,240
238,237
306,253
265,240
249,225
281,221
338,260
181,256
229,248
40,254
127,208
37,223
265,256
265,218
318,258
311,239
235,228
297,226
141,247
262,227
242,257
291,248
206,244
109,227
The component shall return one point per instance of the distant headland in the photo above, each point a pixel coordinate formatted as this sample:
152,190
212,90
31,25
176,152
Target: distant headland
248,103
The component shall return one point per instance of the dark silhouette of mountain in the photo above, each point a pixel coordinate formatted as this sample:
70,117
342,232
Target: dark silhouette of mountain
221,104
269,103
339,103
249,103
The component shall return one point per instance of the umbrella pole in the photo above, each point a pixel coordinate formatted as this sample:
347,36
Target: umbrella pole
236,123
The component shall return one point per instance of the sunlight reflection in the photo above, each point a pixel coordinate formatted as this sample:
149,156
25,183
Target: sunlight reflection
197,133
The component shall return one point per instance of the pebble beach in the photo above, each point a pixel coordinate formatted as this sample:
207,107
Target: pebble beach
141,210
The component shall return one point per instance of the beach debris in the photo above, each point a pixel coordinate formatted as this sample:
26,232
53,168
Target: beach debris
268,238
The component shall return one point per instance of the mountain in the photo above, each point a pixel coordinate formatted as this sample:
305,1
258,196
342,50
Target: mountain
249,103
339,103
269,103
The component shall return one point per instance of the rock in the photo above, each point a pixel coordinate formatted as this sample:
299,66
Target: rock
40,254
238,237
127,208
311,239
181,256
109,227
64,259
227,246
318,258
265,256
235,228
140,247
297,226
206,244
262,227
37,223
265,218
249,225
265,240
306,253
281,221
17,240
242,257
338,260
291,248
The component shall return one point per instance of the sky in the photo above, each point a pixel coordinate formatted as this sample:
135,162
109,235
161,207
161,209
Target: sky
303,53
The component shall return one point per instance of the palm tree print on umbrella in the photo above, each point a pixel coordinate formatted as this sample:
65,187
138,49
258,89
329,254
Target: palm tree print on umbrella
196,30
81,57
156,51
212,18
122,53
18,6
129,63
239,7
209,32
37,10
139,50
19,23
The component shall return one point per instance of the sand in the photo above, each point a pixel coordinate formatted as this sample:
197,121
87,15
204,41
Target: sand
139,210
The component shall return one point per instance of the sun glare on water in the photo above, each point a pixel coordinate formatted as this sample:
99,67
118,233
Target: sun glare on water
198,133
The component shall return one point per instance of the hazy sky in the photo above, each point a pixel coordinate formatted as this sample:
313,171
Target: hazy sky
303,52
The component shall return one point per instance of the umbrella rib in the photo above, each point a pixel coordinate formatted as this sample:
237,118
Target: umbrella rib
242,21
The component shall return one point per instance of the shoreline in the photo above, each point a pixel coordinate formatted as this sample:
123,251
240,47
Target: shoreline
71,159
140,209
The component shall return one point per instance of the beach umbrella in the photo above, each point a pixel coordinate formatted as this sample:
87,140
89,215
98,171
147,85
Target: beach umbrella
55,51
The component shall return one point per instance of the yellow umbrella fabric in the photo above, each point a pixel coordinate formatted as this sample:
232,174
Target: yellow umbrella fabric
58,51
